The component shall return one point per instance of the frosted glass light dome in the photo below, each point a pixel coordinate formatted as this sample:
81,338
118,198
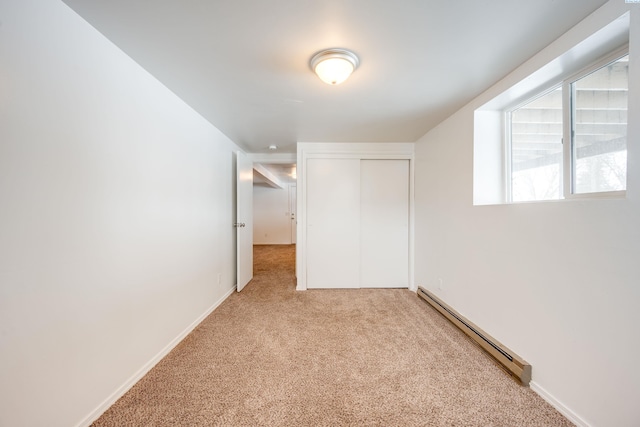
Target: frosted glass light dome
334,66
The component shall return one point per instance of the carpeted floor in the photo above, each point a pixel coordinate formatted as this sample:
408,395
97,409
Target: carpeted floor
272,356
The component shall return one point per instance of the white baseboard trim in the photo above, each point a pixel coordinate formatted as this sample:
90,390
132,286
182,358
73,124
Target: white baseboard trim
94,415
571,416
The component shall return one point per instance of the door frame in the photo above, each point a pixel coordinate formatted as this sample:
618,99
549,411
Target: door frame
372,151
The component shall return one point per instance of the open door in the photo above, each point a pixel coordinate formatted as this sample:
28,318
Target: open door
244,219
293,207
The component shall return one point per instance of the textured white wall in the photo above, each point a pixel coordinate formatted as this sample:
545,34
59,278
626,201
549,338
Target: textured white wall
558,282
116,204
271,216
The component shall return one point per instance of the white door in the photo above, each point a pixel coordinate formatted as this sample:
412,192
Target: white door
333,217
384,223
293,207
244,219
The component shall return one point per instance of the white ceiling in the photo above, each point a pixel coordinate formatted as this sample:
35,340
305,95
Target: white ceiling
243,64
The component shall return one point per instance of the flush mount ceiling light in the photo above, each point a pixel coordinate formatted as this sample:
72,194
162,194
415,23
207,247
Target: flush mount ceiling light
334,66
273,147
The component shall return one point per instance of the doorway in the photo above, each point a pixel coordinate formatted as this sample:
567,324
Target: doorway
274,205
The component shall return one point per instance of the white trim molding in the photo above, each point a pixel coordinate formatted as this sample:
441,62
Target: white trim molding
109,401
560,407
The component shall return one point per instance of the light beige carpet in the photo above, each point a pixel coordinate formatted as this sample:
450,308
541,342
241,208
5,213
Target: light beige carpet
272,356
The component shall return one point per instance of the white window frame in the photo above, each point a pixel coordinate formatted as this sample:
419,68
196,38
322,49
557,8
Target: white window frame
567,122
566,167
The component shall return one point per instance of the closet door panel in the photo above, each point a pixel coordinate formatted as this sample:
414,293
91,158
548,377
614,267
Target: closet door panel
384,223
333,218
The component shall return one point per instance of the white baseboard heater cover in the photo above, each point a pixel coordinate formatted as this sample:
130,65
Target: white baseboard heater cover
514,365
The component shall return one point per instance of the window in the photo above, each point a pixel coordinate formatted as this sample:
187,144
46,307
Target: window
599,129
571,140
536,148
560,131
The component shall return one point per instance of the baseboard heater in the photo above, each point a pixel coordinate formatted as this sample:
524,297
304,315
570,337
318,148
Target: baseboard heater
513,364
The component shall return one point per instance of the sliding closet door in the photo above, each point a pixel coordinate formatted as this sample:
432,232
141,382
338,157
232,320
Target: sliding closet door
384,223
333,223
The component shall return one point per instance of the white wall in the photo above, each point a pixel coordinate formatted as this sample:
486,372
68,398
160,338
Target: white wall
558,282
271,215
115,217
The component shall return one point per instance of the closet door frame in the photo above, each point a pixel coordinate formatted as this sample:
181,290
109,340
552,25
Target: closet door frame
361,151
